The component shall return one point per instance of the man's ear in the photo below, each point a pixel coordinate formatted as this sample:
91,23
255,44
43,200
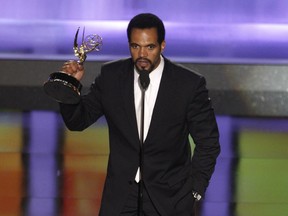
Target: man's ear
163,45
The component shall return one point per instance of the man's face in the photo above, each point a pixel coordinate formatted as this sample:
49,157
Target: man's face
145,49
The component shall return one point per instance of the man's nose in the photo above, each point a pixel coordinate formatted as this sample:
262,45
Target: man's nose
143,52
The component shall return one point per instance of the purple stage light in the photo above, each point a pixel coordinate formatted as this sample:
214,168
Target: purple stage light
197,31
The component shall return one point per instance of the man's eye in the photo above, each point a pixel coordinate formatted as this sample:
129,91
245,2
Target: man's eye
134,46
151,47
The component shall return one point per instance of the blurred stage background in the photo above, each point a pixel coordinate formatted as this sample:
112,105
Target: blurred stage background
241,47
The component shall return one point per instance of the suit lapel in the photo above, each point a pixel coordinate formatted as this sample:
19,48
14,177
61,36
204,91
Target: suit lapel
127,83
162,100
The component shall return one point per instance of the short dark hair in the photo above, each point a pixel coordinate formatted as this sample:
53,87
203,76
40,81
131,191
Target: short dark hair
147,20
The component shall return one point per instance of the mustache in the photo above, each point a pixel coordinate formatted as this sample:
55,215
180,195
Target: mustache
143,59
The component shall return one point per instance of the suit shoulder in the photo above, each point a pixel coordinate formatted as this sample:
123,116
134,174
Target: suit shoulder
182,71
114,69
117,64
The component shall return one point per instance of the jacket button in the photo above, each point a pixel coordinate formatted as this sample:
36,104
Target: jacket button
130,182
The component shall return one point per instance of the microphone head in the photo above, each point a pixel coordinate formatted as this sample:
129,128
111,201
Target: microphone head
144,79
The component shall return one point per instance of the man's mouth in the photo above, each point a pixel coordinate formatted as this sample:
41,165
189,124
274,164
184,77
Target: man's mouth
142,63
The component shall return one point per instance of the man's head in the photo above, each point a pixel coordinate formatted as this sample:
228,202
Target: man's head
146,37
146,21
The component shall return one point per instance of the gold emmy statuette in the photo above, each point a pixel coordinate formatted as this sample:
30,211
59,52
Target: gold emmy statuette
63,87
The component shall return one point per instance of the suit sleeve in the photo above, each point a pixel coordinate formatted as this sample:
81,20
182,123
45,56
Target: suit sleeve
80,116
204,132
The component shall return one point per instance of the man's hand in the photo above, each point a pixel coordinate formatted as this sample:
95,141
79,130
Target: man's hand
74,69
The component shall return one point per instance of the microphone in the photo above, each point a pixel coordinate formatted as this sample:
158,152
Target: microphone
144,79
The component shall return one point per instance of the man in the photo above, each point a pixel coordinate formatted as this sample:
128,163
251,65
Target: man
176,105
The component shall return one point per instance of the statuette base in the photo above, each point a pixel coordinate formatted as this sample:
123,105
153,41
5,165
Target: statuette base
63,88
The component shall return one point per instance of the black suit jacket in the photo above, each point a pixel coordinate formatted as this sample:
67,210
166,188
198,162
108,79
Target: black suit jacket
182,108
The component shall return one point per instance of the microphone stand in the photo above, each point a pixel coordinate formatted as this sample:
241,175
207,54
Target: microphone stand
141,156
144,83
